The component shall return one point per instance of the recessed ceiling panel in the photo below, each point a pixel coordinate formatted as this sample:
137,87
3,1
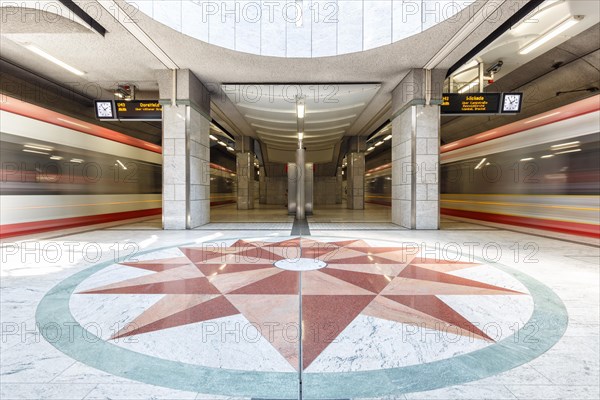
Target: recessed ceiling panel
330,112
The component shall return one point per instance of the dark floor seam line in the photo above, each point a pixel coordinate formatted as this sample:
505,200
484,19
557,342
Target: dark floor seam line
300,228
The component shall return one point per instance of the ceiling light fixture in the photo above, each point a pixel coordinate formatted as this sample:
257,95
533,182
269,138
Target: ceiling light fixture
563,146
552,33
470,65
480,163
36,152
213,137
56,158
388,137
38,147
468,86
52,59
301,110
379,143
222,143
371,148
300,135
569,151
527,159
121,164
548,156
533,17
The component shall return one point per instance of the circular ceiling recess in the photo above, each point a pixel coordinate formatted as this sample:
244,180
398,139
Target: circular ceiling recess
301,28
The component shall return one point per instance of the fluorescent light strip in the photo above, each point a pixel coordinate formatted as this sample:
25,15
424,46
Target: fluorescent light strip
301,110
53,59
213,137
56,158
371,148
120,163
468,87
36,152
36,147
467,29
548,156
529,19
471,64
527,159
388,137
565,145
300,135
540,118
480,163
551,34
569,151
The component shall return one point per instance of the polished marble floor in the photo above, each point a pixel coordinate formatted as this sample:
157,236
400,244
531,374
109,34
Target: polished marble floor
226,312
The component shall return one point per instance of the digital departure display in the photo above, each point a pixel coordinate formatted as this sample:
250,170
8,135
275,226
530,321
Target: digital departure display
139,110
470,103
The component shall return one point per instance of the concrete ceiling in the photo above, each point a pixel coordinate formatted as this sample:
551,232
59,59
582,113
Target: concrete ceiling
573,65
118,57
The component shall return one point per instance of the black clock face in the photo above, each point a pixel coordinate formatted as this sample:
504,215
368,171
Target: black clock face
512,103
104,109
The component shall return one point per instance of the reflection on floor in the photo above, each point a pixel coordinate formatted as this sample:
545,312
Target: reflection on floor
470,312
340,214
261,213
321,214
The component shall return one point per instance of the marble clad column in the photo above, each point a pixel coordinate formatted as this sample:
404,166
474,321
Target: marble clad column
300,184
262,186
415,151
245,180
186,154
339,188
356,181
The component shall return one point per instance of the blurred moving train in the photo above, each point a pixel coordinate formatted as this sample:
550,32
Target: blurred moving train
541,172
59,172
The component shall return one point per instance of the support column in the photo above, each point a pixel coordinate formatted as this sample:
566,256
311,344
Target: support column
339,188
300,200
415,151
262,186
186,155
356,181
245,180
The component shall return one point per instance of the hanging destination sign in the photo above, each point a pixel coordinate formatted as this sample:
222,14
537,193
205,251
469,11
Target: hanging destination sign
481,103
139,110
133,110
470,103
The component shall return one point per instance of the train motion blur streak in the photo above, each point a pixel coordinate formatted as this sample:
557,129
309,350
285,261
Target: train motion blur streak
541,172
56,177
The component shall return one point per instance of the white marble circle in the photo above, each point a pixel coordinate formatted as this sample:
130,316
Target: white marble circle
300,264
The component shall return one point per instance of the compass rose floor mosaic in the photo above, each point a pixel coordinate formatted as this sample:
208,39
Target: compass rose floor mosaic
251,318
